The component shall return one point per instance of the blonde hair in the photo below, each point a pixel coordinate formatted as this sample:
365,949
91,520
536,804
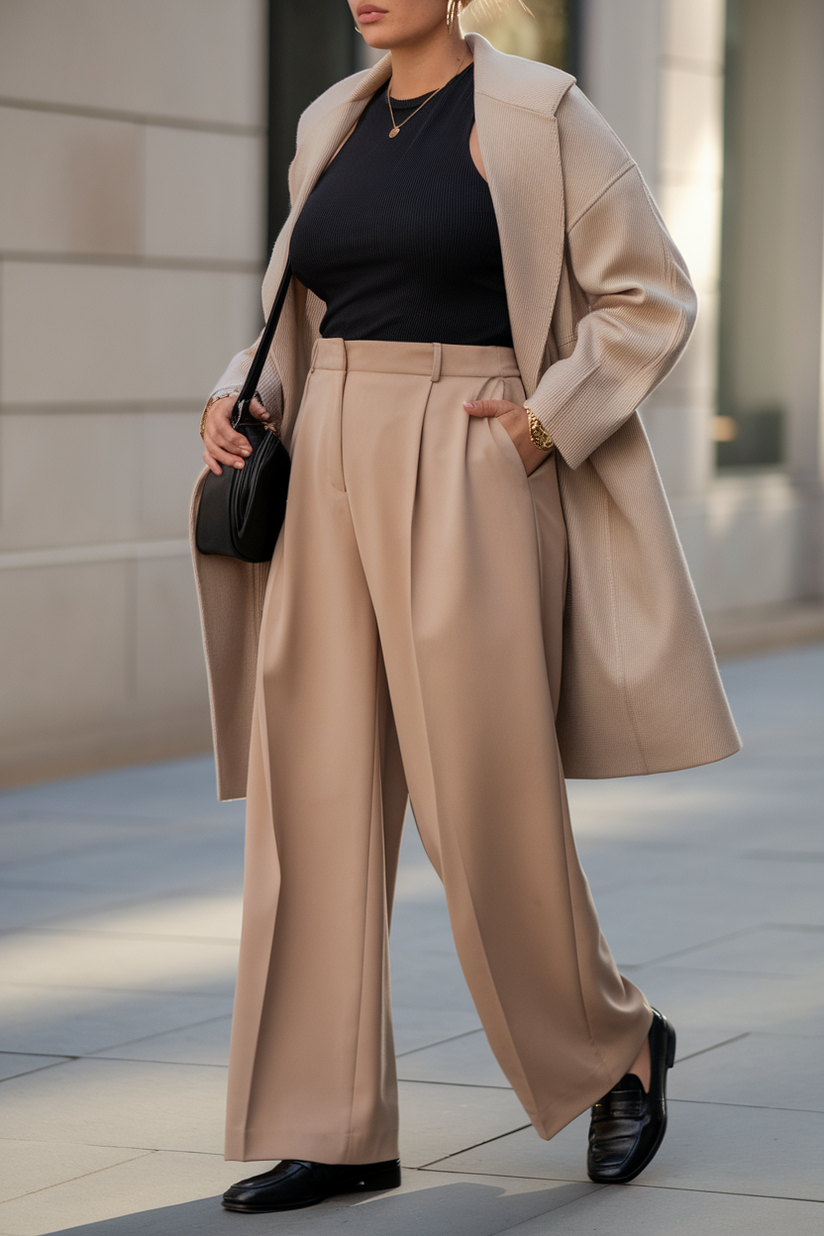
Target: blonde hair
485,9
488,8
539,32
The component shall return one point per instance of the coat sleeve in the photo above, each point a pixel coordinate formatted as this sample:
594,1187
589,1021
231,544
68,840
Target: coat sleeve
269,386
641,303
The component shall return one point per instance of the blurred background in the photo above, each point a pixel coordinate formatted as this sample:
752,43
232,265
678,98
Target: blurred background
143,155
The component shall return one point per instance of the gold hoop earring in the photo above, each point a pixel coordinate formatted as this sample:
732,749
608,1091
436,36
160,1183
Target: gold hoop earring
451,13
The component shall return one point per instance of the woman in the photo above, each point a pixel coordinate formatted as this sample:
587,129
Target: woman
478,589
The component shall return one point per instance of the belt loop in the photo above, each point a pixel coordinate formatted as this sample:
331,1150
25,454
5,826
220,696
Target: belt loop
437,351
344,356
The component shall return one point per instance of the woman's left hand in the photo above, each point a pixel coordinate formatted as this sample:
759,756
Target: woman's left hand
514,420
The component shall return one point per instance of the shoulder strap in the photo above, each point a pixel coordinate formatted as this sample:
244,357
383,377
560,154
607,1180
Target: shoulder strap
241,414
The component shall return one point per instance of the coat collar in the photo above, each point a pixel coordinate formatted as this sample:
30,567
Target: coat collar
515,105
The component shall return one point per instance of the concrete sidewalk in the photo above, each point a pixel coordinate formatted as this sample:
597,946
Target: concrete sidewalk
120,900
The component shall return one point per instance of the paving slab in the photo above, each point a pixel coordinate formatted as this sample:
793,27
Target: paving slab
181,916
174,790
416,1027
35,1167
80,958
417,880
176,861
30,904
125,1103
711,1147
207,1042
426,973
522,1153
782,950
751,805
178,1195
15,1064
761,1070
27,836
656,1212
162,1106
76,1021
439,1120
733,1000
467,1059
693,910
122,897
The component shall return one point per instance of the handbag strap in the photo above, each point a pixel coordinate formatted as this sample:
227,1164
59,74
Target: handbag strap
240,413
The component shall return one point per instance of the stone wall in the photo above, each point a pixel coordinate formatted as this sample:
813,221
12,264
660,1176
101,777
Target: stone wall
132,143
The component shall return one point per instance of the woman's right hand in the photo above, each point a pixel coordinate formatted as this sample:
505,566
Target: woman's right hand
223,444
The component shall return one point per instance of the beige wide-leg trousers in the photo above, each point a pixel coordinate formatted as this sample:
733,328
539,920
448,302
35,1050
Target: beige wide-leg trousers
412,637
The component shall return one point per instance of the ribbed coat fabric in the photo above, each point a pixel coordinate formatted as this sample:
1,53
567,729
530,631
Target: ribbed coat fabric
600,306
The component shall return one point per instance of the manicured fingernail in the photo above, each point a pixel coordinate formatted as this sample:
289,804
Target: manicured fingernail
470,403
239,463
244,450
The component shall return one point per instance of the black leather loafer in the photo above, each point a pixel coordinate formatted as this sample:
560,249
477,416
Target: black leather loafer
628,1125
296,1182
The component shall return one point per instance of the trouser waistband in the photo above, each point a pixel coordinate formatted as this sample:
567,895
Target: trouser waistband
433,360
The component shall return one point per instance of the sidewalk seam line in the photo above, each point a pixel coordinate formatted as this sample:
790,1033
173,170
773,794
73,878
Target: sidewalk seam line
82,1176
464,1149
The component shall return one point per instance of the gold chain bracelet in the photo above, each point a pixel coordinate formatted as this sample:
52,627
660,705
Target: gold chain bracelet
215,399
537,432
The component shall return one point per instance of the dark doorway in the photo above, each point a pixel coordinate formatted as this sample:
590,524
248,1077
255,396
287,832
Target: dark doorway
311,45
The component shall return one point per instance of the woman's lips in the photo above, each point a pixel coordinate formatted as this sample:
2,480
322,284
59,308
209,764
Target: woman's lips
369,13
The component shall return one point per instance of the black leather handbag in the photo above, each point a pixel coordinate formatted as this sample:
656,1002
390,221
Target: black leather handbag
241,511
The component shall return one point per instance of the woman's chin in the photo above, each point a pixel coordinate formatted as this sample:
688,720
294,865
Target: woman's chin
376,42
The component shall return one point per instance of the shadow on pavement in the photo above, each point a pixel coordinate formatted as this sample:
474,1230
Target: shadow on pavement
458,1208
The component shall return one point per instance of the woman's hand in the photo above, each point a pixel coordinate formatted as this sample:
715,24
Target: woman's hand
514,420
223,444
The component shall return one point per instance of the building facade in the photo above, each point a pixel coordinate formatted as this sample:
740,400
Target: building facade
723,106
132,238
143,147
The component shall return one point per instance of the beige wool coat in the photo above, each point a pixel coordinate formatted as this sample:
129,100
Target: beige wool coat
601,306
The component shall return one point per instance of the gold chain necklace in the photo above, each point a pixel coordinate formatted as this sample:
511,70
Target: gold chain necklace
396,128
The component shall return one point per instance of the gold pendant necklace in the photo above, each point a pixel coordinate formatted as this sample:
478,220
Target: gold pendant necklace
396,128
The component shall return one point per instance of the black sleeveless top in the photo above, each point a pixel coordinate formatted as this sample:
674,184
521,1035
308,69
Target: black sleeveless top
399,236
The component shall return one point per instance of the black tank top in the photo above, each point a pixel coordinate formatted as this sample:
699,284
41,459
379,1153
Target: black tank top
399,236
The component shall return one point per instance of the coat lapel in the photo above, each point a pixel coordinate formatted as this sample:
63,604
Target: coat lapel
515,102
